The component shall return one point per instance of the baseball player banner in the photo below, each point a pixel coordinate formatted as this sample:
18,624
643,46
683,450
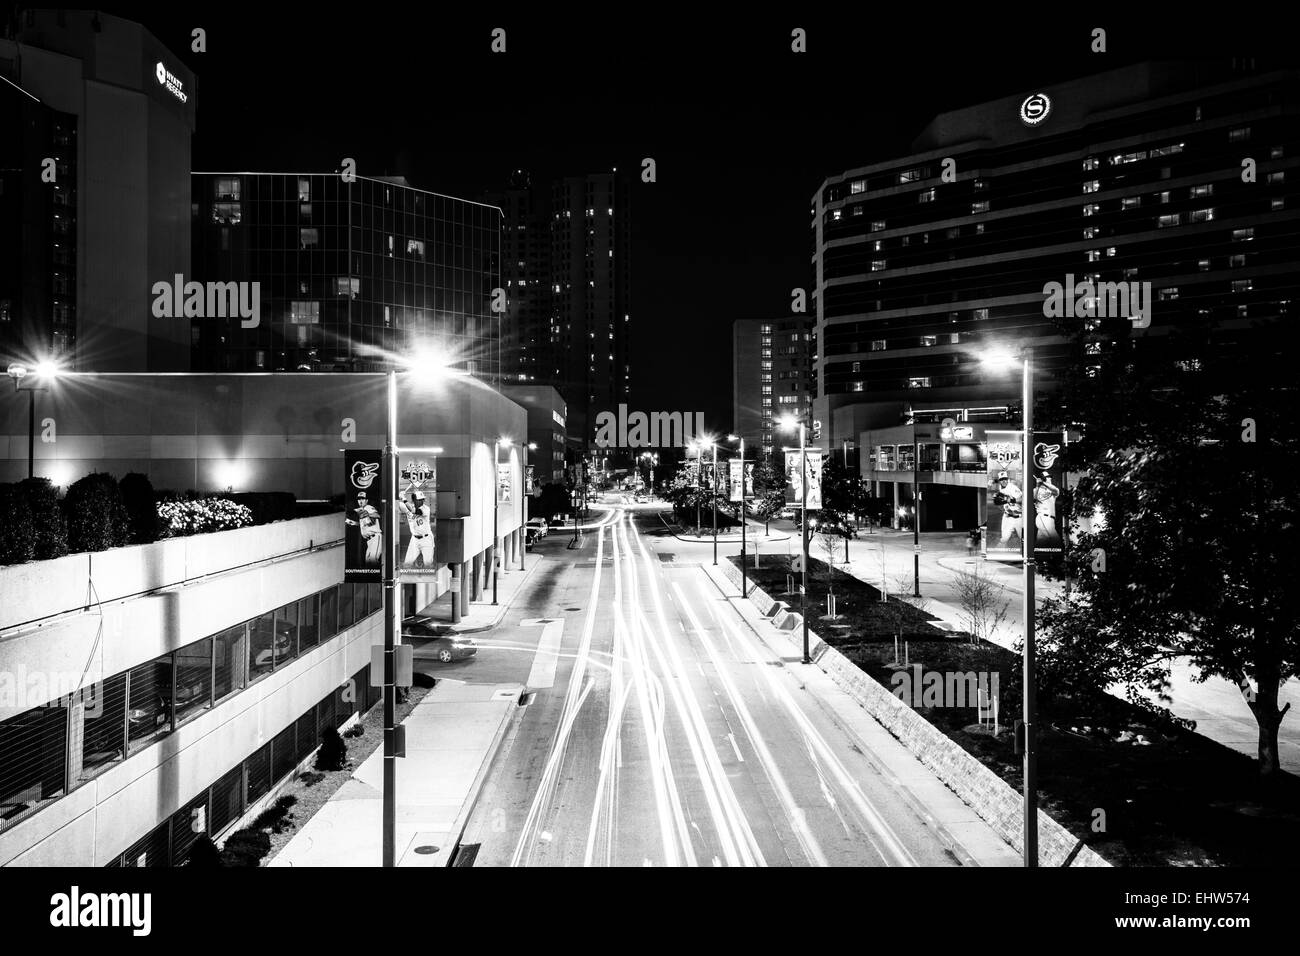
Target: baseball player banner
1008,486
417,483
795,472
734,479
363,483
504,483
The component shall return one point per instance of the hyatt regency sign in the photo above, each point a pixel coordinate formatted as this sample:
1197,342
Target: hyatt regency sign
167,78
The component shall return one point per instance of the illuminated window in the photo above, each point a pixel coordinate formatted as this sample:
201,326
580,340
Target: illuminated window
304,313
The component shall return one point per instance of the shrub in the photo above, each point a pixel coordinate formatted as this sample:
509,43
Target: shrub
267,506
356,730
246,848
333,751
17,542
49,529
96,517
203,853
141,508
276,817
182,517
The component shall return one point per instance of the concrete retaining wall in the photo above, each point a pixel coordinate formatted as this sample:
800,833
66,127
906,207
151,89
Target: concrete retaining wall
997,803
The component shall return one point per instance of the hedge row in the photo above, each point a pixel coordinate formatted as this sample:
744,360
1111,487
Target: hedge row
98,513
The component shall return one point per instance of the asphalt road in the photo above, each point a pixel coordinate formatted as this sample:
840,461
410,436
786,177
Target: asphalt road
661,731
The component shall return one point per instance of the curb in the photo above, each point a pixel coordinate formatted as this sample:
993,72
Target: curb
528,573
476,789
722,539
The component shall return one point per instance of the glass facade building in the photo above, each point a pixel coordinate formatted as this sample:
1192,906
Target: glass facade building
351,274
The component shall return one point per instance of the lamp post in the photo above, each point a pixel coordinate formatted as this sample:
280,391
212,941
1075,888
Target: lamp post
743,588
390,628
528,446
1029,715
496,499
431,367
791,422
714,495
25,380
916,515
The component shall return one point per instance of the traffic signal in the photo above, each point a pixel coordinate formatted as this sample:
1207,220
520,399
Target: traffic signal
817,429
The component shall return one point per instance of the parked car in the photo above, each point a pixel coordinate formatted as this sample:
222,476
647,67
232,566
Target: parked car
539,525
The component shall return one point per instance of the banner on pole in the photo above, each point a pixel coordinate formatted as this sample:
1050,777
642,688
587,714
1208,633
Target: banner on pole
363,530
416,518
735,479
795,473
1008,485
504,484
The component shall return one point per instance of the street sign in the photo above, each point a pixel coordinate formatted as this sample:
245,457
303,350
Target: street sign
403,662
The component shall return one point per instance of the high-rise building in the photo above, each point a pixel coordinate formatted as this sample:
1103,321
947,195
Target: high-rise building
1152,208
1133,176
350,274
526,272
94,191
771,374
567,268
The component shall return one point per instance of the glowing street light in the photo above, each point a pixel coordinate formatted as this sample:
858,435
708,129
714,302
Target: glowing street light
737,438
31,381
1002,359
789,423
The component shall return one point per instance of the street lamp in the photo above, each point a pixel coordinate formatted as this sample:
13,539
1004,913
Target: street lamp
789,423
1001,360
26,380
713,493
698,446
496,498
737,438
528,446
426,367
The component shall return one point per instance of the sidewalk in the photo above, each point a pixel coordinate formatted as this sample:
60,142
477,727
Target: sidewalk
969,838
451,737
483,615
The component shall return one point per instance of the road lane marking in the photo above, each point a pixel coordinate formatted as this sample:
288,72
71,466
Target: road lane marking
542,673
739,755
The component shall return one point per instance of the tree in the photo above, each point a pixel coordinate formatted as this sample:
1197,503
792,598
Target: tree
1190,469
983,603
768,488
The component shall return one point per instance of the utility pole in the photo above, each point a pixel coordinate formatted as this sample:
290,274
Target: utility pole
390,621
803,596
714,495
1027,537
916,515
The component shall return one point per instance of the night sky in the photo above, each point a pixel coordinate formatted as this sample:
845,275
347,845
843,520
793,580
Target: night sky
743,131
